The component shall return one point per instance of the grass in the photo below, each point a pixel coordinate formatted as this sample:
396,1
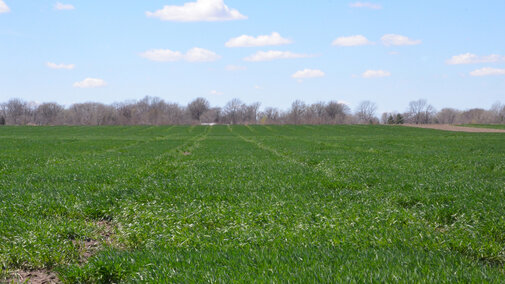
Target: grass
492,126
253,204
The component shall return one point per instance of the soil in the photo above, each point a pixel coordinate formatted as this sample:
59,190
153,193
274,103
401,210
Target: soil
447,127
35,277
88,248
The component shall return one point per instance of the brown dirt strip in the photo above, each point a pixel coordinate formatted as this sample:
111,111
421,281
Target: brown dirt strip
35,277
447,127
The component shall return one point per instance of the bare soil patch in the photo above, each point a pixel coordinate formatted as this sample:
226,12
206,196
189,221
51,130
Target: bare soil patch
35,277
447,127
89,247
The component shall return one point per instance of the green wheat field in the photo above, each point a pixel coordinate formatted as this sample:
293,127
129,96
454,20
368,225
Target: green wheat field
192,204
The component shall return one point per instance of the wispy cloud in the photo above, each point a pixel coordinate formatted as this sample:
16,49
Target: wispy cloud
201,55
487,71
62,7
193,55
3,7
375,74
273,55
60,66
217,93
355,40
199,11
367,5
90,83
262,40
394,39
469,58
308,73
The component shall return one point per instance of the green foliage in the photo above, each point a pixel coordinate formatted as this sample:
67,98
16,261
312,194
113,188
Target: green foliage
492,126
253,203
391,119
396,119
399,119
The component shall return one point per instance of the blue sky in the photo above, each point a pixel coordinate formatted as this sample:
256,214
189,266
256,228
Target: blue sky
451,53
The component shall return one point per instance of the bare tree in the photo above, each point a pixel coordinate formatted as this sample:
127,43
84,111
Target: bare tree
233,111
48,113
297,111
498,111
384,117
125,113
105,115
337,112
476,115
155,111
174,114
270,115
317,113
366,112
90,114
198,107
17,112
251,112
213,115
155,107
420,112
447,116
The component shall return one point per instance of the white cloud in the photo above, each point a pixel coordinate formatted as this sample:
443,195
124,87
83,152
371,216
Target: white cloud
235,68
193,55
199,11
487,71
308,73
274,54
60,66
162,55
355,40
393,39
375,74
60,6
365,5
469,58
214,92
90,83
262,40
201,55
257,87
3,7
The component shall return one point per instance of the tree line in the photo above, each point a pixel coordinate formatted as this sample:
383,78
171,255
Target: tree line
155,111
